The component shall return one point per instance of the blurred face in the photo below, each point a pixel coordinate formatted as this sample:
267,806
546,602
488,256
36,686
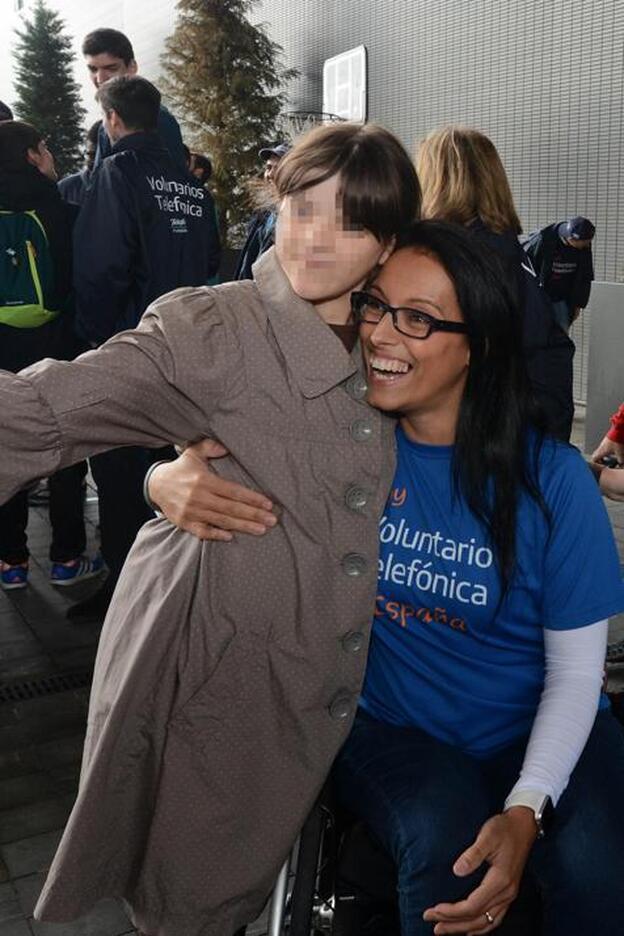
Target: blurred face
422,379
578,244
322,257
43,160
104,66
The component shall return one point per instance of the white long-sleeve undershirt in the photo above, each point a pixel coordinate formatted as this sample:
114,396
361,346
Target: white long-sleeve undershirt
567,709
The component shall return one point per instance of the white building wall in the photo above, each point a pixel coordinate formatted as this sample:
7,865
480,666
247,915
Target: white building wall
147,23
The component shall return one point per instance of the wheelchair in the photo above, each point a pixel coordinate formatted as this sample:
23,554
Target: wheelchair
339,882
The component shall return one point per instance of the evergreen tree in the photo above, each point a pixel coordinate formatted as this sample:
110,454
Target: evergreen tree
223,75
48,97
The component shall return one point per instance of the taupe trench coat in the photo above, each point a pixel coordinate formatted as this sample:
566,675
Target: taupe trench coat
227,674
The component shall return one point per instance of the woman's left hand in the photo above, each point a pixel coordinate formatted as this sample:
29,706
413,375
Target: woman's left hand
504,842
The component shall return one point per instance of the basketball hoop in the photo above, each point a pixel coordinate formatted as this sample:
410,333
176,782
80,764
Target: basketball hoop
292,124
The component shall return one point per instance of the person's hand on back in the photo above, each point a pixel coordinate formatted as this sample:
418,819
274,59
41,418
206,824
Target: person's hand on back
195,499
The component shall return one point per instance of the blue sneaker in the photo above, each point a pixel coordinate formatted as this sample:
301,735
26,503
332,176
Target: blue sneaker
13,576
76,570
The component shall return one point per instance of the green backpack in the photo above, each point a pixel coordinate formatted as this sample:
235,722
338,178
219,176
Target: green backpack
26,270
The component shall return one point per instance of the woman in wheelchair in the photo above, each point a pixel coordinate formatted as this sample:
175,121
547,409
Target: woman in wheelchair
482,744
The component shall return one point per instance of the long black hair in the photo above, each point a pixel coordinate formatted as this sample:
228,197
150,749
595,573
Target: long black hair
500,428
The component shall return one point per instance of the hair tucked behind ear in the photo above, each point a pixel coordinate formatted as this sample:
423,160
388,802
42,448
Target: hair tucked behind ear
495,454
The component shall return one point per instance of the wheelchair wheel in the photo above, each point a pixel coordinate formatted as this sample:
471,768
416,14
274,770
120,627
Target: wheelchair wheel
304,891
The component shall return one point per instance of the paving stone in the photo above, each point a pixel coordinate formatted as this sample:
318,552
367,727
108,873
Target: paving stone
21,735
26,645
30,855
35,818
71,659
13,626
60,752
26,666
16,928
26,788
9,904
28,889
25,758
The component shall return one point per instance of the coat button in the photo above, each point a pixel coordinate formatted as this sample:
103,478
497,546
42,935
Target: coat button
361,430
352,642
341,707
356,387
354,565
356,498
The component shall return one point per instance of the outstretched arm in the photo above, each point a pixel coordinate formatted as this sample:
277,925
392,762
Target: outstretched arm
151,386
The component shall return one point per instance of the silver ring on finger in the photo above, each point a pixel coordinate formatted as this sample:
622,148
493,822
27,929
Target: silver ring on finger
489,917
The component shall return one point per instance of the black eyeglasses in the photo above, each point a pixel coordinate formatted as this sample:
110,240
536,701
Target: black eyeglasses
410,322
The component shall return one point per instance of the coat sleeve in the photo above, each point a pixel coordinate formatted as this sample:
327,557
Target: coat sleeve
105,246
157,384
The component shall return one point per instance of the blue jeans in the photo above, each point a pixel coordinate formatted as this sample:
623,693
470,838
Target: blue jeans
425,801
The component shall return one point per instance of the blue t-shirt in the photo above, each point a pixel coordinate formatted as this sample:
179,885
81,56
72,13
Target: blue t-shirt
444,656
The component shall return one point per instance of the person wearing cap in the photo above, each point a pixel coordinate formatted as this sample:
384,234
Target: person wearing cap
562,257
261,227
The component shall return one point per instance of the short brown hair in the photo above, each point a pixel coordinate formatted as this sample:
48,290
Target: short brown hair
16,138
463,179
379,186
136,100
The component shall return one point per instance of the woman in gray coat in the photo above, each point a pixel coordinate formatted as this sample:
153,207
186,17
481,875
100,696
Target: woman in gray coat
227,678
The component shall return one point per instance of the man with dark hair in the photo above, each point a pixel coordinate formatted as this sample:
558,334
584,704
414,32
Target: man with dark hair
109,54
73,188
145,228
35,323
562,256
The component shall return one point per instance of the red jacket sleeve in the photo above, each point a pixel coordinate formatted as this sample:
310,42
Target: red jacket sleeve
616,432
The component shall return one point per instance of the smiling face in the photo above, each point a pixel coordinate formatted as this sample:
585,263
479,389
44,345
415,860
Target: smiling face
323,257
421,379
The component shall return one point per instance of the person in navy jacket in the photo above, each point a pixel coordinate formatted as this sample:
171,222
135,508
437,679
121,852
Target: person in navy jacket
109,54
146,227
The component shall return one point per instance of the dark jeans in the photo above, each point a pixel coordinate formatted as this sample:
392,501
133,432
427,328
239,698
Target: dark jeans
66,519
119,476
563,314
20,347
425,801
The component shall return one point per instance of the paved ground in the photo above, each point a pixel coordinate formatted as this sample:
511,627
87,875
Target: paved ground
41,738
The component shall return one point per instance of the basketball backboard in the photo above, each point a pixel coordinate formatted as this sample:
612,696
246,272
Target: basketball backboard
345,84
